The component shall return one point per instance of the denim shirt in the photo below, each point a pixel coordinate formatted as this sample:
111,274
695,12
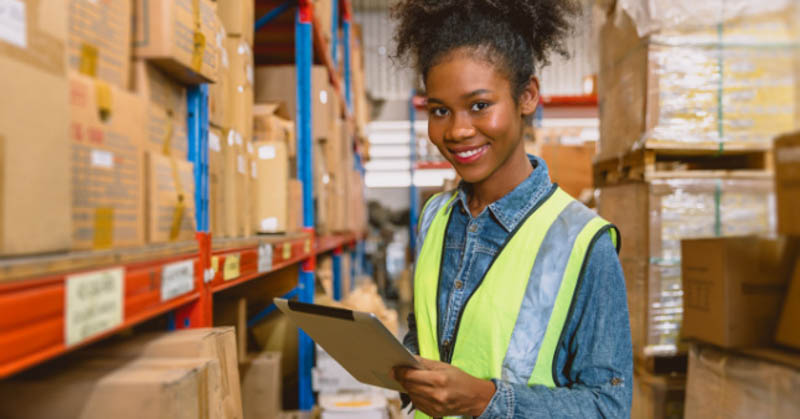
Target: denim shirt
594,362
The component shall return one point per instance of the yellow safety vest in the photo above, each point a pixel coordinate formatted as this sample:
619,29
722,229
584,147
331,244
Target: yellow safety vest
547,252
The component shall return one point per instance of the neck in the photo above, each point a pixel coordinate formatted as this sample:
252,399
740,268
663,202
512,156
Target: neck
507,177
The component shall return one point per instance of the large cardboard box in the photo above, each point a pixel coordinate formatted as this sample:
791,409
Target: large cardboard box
723,384
272,164
294,219
100,39
216,207
261,385
34,198
179,36
238,18
218,92
166,110
106,134
177,389
239,101
323,13
570,165
788,333
248,199
272,122
787,183
170,202
234,172
658,397
279,84
733,288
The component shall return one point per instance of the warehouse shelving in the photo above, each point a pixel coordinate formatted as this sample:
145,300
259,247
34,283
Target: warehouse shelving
33,289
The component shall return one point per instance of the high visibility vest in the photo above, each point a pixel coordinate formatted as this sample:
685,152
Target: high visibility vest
533,278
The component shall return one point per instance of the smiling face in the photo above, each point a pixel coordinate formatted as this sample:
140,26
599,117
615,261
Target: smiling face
473,117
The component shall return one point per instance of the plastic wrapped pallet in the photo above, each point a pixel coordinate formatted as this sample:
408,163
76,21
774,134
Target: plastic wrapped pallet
658,397
653,217
725,385
731,85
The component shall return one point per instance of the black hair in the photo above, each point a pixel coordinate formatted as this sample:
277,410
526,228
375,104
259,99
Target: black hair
515,35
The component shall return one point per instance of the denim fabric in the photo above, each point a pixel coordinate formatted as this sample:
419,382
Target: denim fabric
594,365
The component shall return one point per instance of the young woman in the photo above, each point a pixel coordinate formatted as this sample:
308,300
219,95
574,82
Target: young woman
519,298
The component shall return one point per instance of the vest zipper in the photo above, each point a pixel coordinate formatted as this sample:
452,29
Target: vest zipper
451,349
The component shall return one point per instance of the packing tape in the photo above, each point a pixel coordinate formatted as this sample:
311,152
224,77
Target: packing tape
104,99
199,45
103,227
180,204
88,60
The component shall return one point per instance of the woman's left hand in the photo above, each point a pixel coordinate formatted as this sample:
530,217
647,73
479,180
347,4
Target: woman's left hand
441,389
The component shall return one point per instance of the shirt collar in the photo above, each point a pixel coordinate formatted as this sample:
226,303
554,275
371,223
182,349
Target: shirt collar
512,208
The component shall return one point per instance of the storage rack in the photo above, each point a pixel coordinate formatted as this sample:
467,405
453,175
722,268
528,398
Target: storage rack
33,289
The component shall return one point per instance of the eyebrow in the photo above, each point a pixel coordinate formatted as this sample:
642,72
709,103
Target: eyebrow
465,96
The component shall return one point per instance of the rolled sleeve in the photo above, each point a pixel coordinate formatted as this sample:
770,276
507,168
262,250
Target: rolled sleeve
410,339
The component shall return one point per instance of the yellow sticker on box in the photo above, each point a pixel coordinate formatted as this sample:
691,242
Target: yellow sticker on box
287,251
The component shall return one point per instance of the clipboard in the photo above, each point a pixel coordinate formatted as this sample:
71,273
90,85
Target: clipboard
356,340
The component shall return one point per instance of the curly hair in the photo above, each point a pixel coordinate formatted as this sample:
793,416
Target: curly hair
516,35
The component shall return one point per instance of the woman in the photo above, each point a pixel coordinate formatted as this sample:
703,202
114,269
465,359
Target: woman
519,298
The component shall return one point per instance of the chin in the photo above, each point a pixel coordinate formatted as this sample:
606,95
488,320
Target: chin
472,174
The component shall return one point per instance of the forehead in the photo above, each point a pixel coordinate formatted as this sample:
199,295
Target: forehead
460,73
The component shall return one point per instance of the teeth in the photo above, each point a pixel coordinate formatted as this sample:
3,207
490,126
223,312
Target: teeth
470,153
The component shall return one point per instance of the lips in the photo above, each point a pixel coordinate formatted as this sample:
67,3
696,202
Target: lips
469,155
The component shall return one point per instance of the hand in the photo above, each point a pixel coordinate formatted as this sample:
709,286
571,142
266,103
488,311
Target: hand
441,389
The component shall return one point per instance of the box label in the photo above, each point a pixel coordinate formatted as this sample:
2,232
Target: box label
307,246
231,137
94,304
177,279
266,152
231,268
103,159
213,142
13,23
215,264
241,164
253,170
264,258
287,251
269,224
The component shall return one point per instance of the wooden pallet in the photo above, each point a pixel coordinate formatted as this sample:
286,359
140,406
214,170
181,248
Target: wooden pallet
661,162
663,364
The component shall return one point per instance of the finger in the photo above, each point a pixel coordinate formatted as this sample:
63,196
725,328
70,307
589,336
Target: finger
420,377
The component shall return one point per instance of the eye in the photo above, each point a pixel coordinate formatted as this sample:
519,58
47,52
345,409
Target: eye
439,112
479,106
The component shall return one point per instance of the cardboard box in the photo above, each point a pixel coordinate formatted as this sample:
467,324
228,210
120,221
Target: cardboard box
166,110
238,18
217,343
271,122
170,202
234,170
248,200
261,386
279,84
164,34
787,183
294,219
323,14
788,333
233,312
321,191
35,199
180,389
240,99
570,165
733,288
100,39
216,207
658,397
107,181
219,92
272,185
726,385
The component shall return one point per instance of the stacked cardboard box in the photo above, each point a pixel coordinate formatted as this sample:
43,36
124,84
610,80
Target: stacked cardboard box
261,385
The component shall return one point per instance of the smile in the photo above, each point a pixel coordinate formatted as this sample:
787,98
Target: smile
470,155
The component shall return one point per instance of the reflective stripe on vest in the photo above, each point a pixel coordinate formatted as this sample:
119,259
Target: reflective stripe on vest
536,272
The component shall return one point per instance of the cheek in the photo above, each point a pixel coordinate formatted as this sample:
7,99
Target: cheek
436,133
499,125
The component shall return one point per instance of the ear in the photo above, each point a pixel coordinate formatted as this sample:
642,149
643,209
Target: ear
529,100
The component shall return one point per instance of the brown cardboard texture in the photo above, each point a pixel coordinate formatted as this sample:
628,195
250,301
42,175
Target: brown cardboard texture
218,92
107,181
239,101
35,199
170,199
215,172
787,183
233,172
261,385
238,18
279,84
272,164
272,122
179,36
166,110
788,333
733,288
294,219
100,39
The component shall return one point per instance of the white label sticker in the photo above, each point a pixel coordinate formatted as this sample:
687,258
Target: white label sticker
269,225
177,279
93,304
253,170
213,142
264,258
266,152
326,179
323,96
250,76
225,62
231,137
13,26
102,158
789,154
242,165
239,140
250,148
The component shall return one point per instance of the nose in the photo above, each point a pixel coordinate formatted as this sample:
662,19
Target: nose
460,128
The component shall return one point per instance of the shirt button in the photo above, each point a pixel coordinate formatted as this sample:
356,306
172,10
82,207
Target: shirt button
459,284
473,228
446,343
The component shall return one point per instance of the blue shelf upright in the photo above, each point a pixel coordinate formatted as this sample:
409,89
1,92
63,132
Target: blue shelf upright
197,121
413,196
